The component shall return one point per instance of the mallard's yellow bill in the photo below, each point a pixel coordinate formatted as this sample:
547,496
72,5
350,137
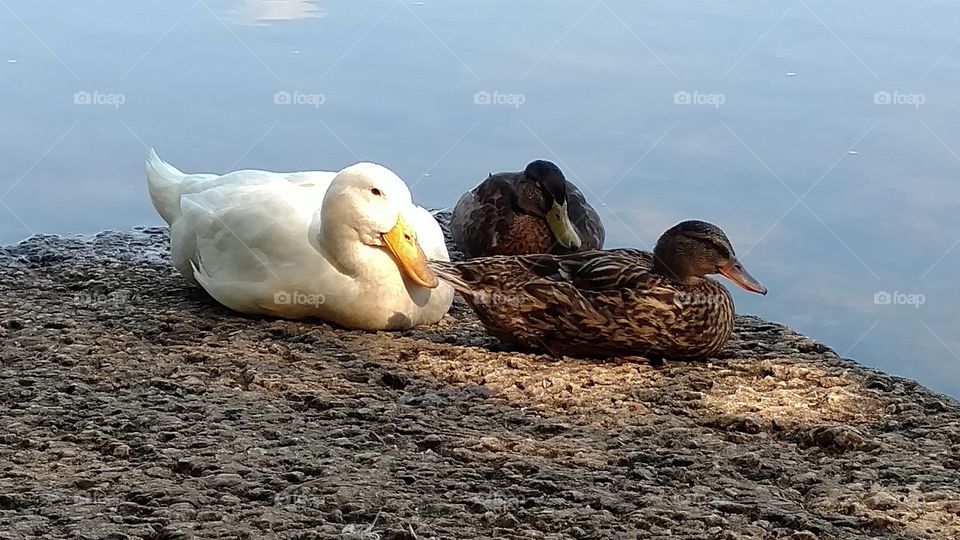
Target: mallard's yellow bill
401,240
563,230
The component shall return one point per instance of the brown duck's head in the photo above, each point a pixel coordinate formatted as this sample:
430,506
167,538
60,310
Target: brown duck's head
542,191
697,248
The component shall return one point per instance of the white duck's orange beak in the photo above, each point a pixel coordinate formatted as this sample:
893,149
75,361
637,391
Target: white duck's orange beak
401,240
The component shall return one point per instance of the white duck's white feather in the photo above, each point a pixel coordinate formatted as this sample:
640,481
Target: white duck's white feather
258,242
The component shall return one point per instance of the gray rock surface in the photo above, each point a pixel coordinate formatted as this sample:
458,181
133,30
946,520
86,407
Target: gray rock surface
133,406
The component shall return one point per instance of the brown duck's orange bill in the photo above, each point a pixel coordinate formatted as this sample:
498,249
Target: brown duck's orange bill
401,240
741,277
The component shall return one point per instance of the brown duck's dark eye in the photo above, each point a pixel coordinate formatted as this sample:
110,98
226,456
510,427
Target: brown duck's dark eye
376,192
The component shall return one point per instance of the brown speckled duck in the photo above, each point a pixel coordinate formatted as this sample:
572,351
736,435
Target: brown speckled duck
519,213
619,302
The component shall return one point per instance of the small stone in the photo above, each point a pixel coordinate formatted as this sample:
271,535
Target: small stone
184,508
121,451
842,438
394,380
640,472
746,423
491,444
84,483
209,515
803,535
158,472
805,478
507,521
882,500
222,480
936,406
430,442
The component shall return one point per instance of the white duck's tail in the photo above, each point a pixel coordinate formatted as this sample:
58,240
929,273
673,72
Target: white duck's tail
164,183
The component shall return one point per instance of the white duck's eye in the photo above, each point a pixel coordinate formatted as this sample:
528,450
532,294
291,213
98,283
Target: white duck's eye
376,192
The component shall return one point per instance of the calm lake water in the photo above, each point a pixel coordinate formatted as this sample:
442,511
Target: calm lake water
824,137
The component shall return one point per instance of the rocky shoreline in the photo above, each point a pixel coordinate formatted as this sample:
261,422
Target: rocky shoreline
133,406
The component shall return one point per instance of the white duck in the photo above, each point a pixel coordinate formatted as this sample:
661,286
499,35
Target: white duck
348,247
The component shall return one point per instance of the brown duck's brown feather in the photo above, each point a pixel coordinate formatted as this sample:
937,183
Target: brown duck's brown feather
595,303
485,221
525,234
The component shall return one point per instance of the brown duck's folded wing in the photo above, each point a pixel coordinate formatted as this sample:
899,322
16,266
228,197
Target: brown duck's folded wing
585,218
597,271
605,301
496,272
483,215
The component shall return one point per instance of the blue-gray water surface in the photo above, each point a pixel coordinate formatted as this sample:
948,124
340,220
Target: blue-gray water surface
824,137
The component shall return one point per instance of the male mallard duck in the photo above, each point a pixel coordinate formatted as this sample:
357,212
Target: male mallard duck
620,302
519,213
348,247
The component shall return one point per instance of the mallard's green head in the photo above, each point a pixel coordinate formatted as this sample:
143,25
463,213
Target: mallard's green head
542,190
697,248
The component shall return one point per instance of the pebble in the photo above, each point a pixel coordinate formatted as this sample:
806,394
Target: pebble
882,500
747,423
430,442
223,480
209,515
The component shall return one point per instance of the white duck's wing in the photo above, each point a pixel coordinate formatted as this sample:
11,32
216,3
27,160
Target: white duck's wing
253,243
245,241
168,185
312,179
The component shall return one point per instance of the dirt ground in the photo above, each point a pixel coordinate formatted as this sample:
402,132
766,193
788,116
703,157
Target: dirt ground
133,406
